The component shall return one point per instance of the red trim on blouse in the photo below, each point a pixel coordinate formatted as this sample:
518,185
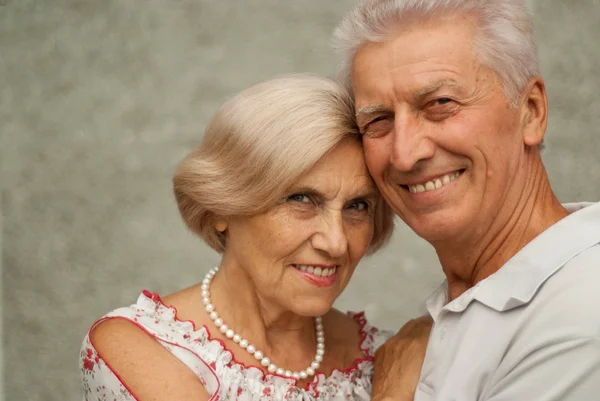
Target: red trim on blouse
106,363
358,317
213,397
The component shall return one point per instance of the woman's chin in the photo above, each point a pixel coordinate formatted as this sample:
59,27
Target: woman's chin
313,308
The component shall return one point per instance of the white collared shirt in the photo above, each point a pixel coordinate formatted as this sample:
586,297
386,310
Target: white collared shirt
531,331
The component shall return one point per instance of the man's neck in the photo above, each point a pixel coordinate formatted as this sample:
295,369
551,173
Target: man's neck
519,221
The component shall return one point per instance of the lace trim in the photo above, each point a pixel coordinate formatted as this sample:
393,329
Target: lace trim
358,317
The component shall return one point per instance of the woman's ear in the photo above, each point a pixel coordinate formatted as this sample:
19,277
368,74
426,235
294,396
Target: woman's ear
221,226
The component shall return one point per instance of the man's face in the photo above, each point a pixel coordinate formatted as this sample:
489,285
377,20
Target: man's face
441,141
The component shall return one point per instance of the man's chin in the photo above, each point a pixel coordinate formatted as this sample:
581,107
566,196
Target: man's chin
436,227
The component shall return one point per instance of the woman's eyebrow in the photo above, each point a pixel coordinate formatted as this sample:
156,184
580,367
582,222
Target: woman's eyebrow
305,190
369,191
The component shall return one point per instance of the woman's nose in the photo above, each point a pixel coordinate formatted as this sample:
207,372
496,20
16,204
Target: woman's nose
331,236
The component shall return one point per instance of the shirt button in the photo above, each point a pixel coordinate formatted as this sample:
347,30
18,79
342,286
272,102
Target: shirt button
443,331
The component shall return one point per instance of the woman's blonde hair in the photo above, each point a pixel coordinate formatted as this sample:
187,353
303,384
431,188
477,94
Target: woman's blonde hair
258,145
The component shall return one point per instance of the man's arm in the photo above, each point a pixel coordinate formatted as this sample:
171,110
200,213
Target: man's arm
562,371
398,362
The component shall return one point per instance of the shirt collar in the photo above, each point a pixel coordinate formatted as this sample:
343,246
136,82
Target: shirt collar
517,282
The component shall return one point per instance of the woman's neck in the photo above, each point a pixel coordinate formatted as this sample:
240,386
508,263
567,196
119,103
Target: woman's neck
279,333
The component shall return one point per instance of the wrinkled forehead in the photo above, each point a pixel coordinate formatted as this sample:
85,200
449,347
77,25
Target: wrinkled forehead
416,59
343,169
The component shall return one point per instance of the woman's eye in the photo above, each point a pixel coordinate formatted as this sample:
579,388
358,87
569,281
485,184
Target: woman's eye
300,198
359,206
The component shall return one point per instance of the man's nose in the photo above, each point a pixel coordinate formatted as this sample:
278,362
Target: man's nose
411,141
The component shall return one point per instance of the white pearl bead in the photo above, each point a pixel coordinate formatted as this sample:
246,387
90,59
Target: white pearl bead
264,361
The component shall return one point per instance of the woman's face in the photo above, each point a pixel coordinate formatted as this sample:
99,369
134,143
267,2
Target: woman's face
301,253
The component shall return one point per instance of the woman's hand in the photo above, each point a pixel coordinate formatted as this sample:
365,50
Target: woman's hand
398,362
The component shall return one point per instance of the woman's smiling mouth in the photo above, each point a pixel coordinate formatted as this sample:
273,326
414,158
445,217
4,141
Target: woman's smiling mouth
318,276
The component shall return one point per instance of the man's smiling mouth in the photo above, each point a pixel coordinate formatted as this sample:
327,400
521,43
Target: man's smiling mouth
434,183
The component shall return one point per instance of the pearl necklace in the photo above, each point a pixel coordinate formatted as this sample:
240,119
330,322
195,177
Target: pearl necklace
242,342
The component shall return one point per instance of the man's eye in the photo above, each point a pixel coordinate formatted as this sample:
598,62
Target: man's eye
376,120
377,127
442,101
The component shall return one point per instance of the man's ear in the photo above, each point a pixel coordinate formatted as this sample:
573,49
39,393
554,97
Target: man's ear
534,112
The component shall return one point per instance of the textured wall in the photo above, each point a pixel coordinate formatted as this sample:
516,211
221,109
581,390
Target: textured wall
100,99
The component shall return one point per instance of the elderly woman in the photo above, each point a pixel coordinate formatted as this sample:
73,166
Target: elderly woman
279,187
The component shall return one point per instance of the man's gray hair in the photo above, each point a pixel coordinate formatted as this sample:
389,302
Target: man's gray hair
505,41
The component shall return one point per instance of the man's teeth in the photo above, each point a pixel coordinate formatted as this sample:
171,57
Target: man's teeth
317,271
433,184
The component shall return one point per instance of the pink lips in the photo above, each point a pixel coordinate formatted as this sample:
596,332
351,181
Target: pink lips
318,281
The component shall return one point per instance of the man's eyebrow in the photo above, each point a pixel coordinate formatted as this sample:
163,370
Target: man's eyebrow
377,108
435,86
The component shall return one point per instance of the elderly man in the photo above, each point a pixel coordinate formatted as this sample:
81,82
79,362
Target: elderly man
453,113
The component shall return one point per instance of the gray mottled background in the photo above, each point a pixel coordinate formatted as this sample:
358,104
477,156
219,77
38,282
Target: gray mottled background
100,99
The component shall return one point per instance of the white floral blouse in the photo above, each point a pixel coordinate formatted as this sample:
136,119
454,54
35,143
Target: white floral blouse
216,367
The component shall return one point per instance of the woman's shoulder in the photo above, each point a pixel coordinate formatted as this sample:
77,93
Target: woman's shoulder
354,328
121,348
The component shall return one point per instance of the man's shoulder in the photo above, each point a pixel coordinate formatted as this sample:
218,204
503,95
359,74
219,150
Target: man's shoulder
580,273
571,297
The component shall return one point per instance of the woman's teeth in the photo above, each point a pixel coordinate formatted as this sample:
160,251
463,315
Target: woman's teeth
317,271
434,184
